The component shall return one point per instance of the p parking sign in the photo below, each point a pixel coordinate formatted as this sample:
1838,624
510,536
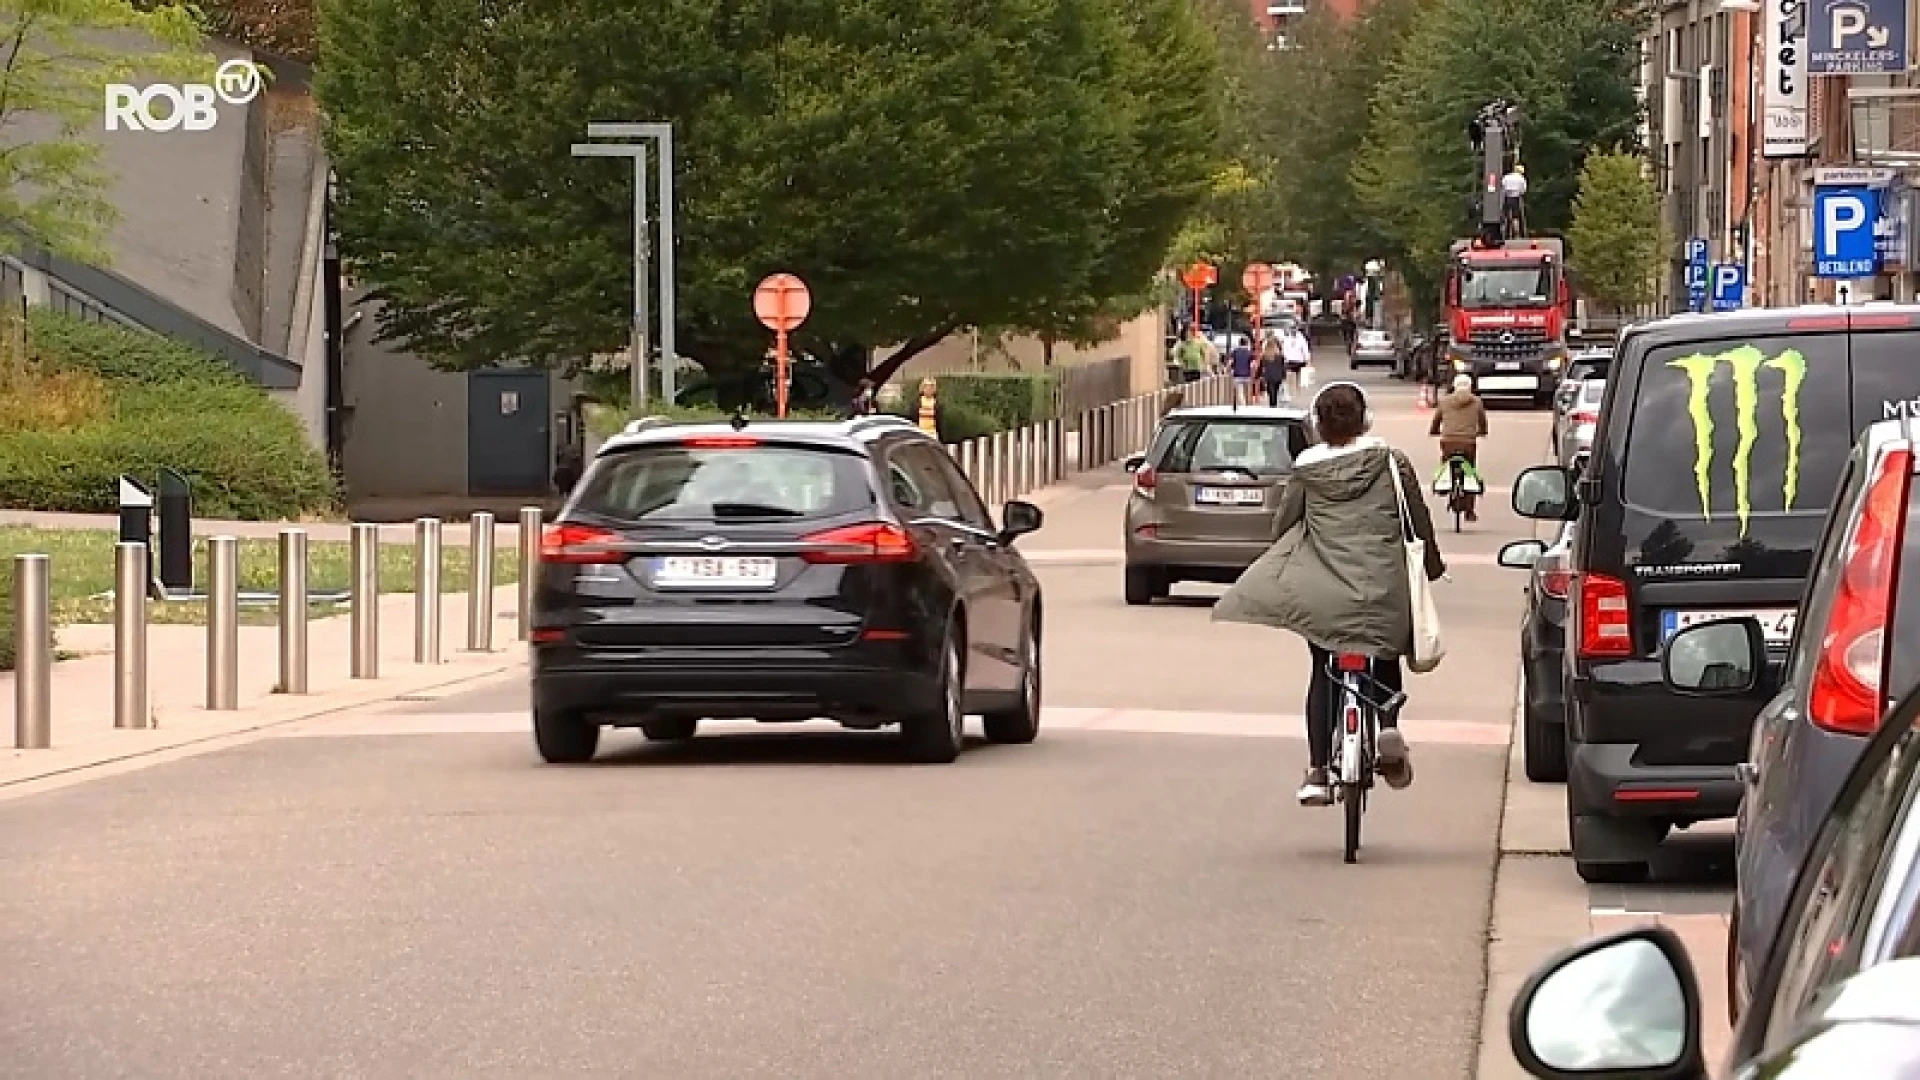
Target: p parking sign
1843,232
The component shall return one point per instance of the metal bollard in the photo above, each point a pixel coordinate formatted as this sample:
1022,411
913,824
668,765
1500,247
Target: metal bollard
1059,449
365,598
426,591
970,461
480,583
33,652
223,623
130,583
529,566
293,611
998,470
1029,461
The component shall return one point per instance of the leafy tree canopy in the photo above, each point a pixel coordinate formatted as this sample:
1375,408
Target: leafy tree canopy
1616,236
1568,63
923,164
53,64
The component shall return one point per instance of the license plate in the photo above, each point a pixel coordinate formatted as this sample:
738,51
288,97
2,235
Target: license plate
1509,382
715,572
1507,365
1229,496
1775,623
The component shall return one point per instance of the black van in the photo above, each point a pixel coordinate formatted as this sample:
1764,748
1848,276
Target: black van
1720,446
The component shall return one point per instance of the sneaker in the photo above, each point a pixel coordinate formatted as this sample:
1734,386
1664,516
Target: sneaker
1314,790
1393,762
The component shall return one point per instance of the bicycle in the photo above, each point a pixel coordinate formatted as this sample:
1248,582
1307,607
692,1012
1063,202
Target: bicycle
1354,763
1461,485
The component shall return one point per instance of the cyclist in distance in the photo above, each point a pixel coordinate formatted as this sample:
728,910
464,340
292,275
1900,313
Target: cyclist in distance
1337,576
1460,422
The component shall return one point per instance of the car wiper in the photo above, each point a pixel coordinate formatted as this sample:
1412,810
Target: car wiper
752,510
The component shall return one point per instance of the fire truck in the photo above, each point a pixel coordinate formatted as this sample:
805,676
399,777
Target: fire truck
1508,302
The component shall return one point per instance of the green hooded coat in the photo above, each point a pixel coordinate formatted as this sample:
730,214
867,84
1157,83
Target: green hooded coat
1337,575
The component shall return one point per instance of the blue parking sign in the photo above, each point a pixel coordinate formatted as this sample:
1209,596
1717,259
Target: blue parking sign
1696,274
1843,240
1729,286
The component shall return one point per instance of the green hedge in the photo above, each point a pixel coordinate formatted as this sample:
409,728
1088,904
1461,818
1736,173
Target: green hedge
1010,400
6,618
173,406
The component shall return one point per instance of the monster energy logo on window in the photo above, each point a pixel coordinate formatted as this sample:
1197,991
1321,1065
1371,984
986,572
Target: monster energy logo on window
1746,363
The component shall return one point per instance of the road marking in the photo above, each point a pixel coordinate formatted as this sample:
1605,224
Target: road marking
1058,718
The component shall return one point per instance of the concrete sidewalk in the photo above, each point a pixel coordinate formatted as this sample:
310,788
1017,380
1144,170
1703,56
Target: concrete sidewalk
82,687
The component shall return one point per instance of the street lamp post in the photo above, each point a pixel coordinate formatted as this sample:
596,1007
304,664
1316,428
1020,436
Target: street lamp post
663,134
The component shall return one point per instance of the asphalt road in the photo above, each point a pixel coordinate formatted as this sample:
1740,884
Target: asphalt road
406,892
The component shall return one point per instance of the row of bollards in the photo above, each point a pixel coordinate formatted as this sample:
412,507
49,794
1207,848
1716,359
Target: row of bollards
33,618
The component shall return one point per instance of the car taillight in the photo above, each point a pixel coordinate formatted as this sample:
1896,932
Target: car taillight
580,545
1845,695
1144,479
721,442
1584,417
873,541
1606,627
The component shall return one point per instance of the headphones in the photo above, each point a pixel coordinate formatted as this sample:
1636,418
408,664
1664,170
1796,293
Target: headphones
1313,407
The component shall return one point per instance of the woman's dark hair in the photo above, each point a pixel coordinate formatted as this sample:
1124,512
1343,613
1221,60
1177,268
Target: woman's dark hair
1340,414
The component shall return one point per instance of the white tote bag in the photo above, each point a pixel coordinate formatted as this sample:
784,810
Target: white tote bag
1429,648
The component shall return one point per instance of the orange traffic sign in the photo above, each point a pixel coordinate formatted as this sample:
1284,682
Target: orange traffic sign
782,302
1256,278
1200,275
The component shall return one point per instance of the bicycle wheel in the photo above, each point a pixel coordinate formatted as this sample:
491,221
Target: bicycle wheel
1353,797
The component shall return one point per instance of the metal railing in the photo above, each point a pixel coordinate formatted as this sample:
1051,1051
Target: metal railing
1009,464
133,707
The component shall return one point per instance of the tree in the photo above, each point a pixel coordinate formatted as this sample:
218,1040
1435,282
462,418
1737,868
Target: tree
1570,64
53,63
924,165
1616,238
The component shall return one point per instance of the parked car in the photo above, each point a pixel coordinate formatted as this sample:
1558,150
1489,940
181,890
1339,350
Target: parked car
1837,992
1721,441
1573,428
1582,366
1856,643
1543,644
783,571
1206,495
1375,347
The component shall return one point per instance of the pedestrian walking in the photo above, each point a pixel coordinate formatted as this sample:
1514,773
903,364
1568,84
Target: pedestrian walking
864,402
1240,362
1191,354
1273,370
1298,355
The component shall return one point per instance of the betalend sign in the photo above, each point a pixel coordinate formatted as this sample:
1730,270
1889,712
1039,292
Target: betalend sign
1784,127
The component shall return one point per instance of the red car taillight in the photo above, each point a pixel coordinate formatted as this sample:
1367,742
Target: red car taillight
1581,419
1845,695
868,542
1606,626
1144,479
580,545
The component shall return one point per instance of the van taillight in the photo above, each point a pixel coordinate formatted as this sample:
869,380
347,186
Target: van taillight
869,542
1845,695
580,545
1144,479
1606,626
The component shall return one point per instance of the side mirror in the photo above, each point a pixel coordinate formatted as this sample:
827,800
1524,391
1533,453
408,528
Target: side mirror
1627,1005
1720,658
1134,461
1018,519
1545,493
1521,554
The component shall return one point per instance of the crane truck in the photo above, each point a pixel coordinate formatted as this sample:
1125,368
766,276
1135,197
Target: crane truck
1508,303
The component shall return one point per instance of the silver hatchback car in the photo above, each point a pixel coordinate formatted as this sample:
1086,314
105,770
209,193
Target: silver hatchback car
1206,495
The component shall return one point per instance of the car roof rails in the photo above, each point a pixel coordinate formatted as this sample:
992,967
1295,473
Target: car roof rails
862,423
645,423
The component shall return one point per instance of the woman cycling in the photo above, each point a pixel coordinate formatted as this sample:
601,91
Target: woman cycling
1337,575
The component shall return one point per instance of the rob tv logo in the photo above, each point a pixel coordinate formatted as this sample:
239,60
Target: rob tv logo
193,106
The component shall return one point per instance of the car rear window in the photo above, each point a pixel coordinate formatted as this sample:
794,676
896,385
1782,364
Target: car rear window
1745,429
675,482
1886,375
1265,448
